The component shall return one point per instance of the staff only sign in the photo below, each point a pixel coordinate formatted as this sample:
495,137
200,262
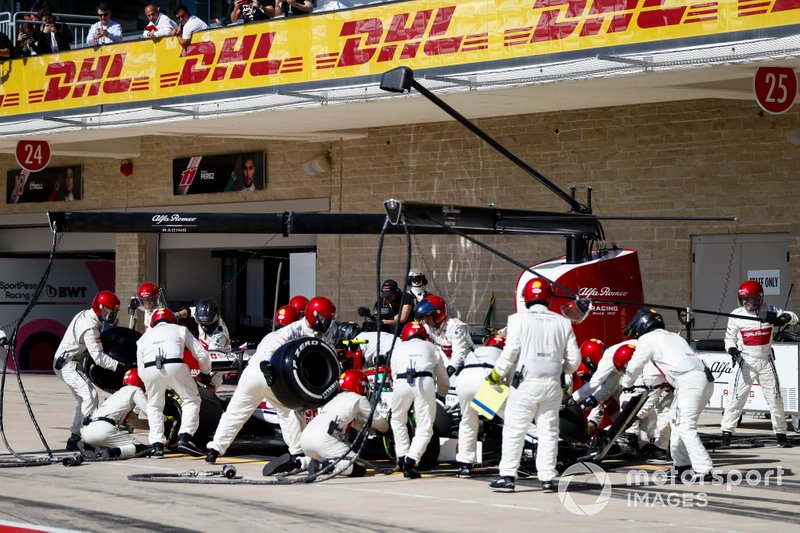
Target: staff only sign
363,43
218,173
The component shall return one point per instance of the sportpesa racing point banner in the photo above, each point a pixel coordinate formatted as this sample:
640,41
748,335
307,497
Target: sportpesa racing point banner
323,48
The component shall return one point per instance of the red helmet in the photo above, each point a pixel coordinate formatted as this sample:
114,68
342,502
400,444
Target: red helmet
434,306
496,340
286,315
536,290
353,381
131,377
623,355
414,330
751,292
106,306
299,302
320,313
148,294
592,352
162,315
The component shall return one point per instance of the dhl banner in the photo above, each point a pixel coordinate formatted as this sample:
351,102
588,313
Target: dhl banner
326,49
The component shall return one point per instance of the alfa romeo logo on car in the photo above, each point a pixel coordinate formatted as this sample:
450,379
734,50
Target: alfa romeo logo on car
584,472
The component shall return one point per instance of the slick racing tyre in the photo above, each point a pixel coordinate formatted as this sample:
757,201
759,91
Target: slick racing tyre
303,373
120,344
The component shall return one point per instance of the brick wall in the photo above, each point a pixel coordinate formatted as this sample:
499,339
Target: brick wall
703,158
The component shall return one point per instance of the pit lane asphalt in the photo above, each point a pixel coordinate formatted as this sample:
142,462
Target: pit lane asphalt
99,496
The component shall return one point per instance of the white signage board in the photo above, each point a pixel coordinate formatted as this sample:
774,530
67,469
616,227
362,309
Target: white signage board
787,366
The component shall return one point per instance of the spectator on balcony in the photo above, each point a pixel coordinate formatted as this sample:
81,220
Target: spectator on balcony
105,30
187,25
296,7
26,44
252,10
158,25
7,50
53,37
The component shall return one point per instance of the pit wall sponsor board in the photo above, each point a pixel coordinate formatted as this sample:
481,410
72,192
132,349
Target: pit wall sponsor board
69,289
53,184
219,173
367,42
787,365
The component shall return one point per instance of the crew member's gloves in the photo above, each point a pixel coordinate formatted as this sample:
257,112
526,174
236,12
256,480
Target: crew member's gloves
570,402
205,379
589,402
494,377
783,319
450,371
567,381
735,354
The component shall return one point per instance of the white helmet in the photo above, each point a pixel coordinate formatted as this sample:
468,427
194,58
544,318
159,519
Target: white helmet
416,278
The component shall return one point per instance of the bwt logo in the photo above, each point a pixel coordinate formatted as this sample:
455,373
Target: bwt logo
66,292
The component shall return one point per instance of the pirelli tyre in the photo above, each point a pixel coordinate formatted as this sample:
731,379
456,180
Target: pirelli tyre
120,344
303,373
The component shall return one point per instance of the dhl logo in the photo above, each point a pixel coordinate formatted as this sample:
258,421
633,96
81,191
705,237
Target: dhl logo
90,77
405,36
559,19
235,57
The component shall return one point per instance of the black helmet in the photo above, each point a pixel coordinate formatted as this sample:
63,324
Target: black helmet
207,315
644,320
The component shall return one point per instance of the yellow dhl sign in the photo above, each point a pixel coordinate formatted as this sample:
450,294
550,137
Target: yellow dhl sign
358,43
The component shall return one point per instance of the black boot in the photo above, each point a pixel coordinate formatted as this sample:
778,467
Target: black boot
284,464
410,469
400,462
212,456
464,470
783,442
157,450
72,443
185,445
726,439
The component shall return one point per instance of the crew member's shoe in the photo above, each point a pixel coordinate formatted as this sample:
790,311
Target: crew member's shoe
72,443
701,479
212,456
400,462
548,486
283,464
157,451
188,447
464,470
726,439
410,469
783,442
504,484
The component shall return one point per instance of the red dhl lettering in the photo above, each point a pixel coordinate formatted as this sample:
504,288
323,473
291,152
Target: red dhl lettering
234,58
407,33
92,76
559,19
